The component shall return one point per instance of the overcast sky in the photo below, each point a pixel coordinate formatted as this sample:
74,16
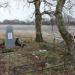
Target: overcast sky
15,10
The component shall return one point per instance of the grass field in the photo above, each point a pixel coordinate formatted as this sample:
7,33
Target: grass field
44,58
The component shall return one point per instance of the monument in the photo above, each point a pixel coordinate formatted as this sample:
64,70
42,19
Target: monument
9,41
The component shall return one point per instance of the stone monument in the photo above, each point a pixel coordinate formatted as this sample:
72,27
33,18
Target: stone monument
9,41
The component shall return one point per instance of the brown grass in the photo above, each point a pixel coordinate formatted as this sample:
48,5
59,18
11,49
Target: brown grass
21,56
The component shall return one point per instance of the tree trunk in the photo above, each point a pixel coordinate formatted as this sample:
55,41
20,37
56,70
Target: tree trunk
68,38
38,19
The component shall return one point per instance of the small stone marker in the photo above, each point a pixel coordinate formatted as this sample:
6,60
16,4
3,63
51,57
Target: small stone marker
9,43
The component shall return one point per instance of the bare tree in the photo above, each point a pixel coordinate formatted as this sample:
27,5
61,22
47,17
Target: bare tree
68,38
38,18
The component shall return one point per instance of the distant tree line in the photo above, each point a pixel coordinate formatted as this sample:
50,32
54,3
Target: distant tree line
44,22
17,22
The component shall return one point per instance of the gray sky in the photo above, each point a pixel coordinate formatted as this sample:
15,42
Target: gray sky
15,10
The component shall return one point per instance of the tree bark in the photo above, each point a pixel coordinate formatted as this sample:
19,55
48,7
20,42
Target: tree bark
68,38
38,19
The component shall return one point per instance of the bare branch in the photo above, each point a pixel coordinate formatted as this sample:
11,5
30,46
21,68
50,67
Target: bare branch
69,5
48,13
30,1
48,2
4,5
33,15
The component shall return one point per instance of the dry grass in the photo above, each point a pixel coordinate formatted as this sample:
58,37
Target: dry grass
22,56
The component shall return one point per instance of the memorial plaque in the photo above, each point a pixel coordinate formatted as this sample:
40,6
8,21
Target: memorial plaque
9,43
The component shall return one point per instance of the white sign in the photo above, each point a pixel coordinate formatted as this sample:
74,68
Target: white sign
10,36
